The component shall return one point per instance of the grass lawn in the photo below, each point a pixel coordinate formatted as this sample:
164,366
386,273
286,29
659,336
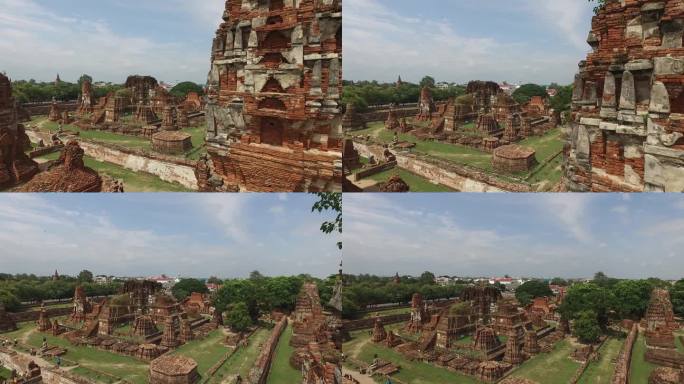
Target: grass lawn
678,342
546,147
394,311
241,361
601,372
281,370
414,372
5,373
91,360
551,368
415,182
102,136
133,181
640,369
206,352
133,142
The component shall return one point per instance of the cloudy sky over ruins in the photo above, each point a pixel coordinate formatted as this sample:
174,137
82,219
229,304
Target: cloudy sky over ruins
630,236
169,39
186,234
524,41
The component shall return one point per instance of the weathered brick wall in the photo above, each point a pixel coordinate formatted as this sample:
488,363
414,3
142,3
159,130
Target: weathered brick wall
33,315
259,372
283,62
622,365
374,170
36,109
355,325
624,137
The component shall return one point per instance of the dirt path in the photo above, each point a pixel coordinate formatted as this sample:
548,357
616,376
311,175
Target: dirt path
363,379
354,352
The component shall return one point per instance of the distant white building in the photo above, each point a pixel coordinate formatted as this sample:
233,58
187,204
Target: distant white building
443,85
443,280
102,279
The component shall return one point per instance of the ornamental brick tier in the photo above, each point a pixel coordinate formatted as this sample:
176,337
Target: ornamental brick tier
379,333
659,320
173,370
514,158
274,118
628,101
171,142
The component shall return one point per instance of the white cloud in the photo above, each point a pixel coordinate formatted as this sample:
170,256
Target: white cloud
381,44
570,211
38,43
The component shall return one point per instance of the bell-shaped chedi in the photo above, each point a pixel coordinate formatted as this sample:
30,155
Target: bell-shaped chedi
392,122
169,338
43,324
55,113
426,105
69,175
274,114
143,326
85,105
185,334
379,333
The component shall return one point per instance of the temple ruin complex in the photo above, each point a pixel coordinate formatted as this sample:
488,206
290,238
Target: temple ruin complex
274,114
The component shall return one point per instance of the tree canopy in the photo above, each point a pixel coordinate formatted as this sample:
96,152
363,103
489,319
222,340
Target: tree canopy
523,94
531,290
186,287
181,90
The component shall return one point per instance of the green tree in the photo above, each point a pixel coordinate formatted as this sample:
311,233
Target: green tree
523,94
587,297
677,296
214,280
83,78
427,81
238,318
559,281
181,90
185,287
9,300
631,298
563,100
586,327
330,201
427,278
532,289
85,276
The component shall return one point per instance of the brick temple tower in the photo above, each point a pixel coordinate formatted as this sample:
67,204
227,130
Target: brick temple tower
628,101
274,118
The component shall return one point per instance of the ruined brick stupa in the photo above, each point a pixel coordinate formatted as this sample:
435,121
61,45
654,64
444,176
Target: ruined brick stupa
273,115
628,101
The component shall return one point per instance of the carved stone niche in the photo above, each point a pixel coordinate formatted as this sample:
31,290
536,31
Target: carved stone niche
272,131
673,33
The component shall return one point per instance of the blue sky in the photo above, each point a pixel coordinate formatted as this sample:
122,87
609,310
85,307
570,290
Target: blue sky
108,39
540,235
177,234
460,40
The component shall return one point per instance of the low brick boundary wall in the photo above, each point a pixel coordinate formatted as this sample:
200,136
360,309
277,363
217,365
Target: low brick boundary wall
457,177
624,360
45,151
259,372
355,325
170,170
44,108
22,317
666,358
374,170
